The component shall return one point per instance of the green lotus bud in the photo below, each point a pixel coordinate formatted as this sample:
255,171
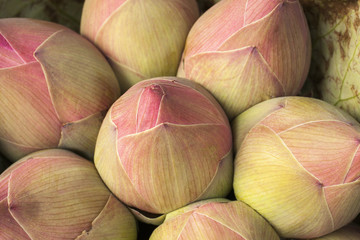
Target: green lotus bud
55,194
163,144
142,39
335,35
298,164
247,51
215,219
55,87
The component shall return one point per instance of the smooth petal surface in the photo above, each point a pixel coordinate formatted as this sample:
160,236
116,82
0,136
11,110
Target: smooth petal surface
215,220
106,225
206,36
283,39
108,165
257,9
82,134
24,97
296,111
241,125
25,40
95,19
80,81
51,201
233,76
174,179
149,53
343,201
8,222
8,55
270,180
324,152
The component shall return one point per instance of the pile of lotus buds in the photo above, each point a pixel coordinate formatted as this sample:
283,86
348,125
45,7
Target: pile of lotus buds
163,120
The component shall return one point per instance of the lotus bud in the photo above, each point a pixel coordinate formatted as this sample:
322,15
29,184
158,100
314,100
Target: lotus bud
298,164
163,144
142,39
215,219
335,35
56,194
55,88
247,51
349,232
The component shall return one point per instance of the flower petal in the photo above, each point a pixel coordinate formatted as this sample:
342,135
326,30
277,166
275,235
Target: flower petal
233,76
80,80
270,180
164,163
53,197
283,39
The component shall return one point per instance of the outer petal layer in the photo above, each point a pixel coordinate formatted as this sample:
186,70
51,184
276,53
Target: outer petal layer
80,81
233,76
25,97
270,180
149,53
283,38
174,154
51,201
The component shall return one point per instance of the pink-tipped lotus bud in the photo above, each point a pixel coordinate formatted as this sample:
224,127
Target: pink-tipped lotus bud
142,39
247,51
215,219
298,164
55,88
335,34
349,232
55,194
163,144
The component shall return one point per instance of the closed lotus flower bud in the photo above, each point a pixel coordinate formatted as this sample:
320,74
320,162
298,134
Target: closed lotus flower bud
215,219
247,51
349,232
335,34
142,39
297,164
55,194
163,144
55,87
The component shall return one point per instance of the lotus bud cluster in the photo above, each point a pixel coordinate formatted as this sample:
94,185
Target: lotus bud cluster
298,165
247,51
142,39
349,232
335,34
163,144
55,87
55,194
215,219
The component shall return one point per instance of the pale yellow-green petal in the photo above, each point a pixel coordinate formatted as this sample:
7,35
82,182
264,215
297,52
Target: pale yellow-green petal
80,136
343,201
53,197
149,53
110,169
270,180
115,222
238,79
27,119
81,82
